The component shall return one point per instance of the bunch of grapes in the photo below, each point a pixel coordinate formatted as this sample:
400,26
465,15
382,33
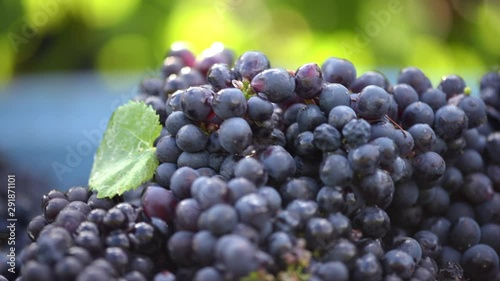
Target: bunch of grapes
315,174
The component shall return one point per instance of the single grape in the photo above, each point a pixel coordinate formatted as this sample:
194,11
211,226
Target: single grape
276,84
308,80
336,70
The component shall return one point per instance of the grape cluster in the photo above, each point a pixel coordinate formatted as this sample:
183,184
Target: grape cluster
314,174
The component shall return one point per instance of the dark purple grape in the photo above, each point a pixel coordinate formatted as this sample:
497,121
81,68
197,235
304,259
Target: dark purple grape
276,84
372,221
36,226
195,103
305,209
308,80
53,207
237,255
373,103
367,268
387,148
409,246
475,109
318,233
69,219
187,213
405,194
175,121
415,78
480,262
332,271
278,163
341,225
435,98
252,210
335,171
423,136
404,142
68,268
220,76
364,159
159,202
333,95
304,145
203,244
309,117
477,188
77,193
429,242
259,109
336,70
450,122
190,138
180,248
356,132
229,103
181,180
340,115
452,85
330,199
326,137
239,187
470,161
250,64
164,173
489,235
404,95
235,135
465,233
452,179
398,262
219,219
378,188
416,113
251,169
298,188
429,166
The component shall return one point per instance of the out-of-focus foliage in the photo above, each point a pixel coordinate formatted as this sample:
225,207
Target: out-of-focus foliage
440,36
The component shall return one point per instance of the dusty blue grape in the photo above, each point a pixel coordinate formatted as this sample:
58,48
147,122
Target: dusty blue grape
276,84
235,135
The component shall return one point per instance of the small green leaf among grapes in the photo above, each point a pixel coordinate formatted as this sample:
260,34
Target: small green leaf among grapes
126,156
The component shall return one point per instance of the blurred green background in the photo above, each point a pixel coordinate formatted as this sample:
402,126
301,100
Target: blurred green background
440,36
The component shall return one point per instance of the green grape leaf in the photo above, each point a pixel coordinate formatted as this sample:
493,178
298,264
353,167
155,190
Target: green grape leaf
126,157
